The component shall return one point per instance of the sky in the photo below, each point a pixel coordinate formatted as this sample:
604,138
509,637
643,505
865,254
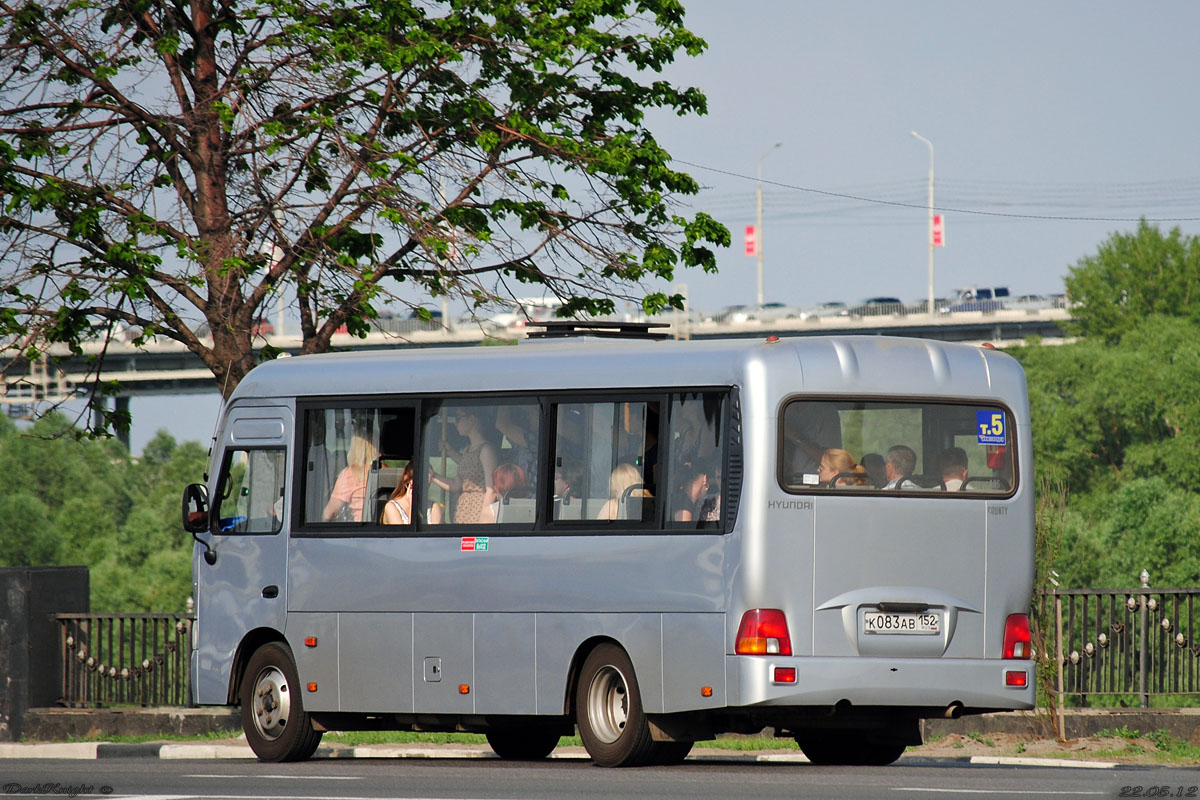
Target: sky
1054,125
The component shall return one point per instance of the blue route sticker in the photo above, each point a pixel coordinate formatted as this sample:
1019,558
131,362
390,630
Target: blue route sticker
989,427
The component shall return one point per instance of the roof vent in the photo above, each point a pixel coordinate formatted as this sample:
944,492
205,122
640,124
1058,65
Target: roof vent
565,328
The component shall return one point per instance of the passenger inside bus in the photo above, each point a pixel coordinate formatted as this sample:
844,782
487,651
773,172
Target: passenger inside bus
475,462
837,469
690,491
398,510
808,429
350,490
874,464
710,506
899,466
954,468
624,483
509,484
518,425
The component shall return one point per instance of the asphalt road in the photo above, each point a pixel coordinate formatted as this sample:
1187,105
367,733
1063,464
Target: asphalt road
478,779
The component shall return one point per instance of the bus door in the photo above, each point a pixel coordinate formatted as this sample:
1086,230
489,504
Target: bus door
245,585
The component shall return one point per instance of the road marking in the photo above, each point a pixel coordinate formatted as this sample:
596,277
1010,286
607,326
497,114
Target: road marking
197,796
284,777
1026,761
991,791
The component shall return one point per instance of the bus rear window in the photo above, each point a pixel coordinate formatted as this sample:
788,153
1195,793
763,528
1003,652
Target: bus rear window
877,446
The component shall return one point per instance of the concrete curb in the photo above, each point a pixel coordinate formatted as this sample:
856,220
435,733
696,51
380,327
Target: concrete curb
96,750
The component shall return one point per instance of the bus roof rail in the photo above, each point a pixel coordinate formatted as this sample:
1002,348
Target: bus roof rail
564,328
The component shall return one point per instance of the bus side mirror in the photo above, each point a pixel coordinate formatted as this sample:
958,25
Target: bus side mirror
195,516
195,508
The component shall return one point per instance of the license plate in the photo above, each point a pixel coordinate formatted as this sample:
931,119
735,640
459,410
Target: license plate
881,622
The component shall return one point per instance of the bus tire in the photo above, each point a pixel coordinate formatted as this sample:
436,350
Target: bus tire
273,716
523,744
841,749
608,708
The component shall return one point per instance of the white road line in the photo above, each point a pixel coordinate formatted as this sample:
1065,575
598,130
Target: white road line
1024,761
198,796
284,777
993,791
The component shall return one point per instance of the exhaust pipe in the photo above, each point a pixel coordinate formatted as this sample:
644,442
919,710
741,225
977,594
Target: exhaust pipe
953,711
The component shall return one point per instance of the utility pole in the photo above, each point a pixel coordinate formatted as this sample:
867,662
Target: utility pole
926,141
759,229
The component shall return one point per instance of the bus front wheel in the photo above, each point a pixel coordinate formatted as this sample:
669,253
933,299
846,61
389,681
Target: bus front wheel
273,717
608,707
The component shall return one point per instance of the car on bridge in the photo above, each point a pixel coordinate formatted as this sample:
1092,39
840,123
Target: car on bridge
876,307
978,298
822,310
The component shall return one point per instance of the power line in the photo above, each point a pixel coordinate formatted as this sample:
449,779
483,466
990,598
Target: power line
945,209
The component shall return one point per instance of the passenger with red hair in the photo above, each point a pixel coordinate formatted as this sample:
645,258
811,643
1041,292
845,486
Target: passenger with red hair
508,480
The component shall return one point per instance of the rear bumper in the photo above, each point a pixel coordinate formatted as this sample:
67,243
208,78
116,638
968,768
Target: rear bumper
926,683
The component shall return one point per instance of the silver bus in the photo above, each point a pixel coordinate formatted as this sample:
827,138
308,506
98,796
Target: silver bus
650,542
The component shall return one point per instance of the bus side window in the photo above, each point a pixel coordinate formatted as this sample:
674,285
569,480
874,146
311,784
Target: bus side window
252,495
606,456
696,433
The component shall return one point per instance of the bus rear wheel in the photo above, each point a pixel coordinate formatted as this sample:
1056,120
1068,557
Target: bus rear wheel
846,749
523,744
670,753
608,707
273,717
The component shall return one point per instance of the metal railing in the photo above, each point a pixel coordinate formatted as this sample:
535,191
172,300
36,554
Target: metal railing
1124,642
1110,646
125,659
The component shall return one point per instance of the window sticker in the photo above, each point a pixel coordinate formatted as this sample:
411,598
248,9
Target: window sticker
474,543
989,427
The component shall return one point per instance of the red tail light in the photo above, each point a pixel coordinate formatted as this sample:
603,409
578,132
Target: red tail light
997,457
763,631
1016,636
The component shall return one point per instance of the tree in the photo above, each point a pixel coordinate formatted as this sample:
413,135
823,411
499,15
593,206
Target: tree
1117,426
1132,276
75,500
169,168
1103,412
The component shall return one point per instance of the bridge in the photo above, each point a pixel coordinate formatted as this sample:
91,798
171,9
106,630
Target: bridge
165,367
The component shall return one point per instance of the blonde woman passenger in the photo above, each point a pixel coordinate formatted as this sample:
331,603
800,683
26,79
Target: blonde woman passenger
623,476
350,489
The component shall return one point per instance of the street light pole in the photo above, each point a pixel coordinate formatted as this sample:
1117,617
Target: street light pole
758,230
926,141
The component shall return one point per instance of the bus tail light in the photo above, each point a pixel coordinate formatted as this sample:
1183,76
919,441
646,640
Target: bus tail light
763,631
1016,636
997,457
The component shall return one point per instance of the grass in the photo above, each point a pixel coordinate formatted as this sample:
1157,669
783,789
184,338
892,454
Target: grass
360,738
212,736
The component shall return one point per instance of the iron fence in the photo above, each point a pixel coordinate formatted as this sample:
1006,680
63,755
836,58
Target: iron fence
1110,647
1124,643
125,659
